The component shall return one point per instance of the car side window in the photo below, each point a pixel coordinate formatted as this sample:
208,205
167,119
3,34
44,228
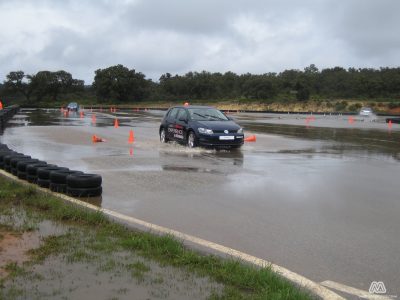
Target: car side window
181,114
172,114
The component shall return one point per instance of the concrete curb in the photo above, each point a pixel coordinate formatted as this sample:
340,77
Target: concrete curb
299,280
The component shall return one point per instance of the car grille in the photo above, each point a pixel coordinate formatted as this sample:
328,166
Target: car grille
222,131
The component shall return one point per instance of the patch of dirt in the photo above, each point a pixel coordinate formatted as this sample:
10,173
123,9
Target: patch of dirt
14,247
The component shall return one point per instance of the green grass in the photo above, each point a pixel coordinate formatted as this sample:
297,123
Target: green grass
91,234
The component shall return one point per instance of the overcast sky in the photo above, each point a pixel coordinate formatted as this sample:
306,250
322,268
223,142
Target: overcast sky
177,36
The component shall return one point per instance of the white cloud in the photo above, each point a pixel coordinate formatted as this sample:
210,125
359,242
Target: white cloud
159,36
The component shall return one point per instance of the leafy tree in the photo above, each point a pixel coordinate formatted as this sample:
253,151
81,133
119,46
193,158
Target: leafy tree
120,83
303,92
125,85
52,84
17,82
259,88
40,83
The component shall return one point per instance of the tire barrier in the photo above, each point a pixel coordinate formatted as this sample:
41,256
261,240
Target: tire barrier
7,160
21,167
3,153
43,173
55,178
14,161
58,179
84,192
84,181
84,185
31,171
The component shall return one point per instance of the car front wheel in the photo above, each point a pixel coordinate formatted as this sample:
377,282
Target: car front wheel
192,140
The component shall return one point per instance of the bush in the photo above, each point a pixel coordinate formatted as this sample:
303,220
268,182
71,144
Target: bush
355,107
340,106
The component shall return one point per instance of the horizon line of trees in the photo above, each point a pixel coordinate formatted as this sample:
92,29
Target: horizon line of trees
123,85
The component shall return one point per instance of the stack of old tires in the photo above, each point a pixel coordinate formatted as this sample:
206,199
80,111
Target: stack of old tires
55,178
83,185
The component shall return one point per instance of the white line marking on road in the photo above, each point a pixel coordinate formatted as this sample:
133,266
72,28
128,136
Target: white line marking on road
353,291
299,280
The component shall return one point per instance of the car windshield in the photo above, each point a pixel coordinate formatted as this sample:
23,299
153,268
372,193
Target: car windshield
206,114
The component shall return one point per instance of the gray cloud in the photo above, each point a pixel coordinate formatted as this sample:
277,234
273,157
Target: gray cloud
158,36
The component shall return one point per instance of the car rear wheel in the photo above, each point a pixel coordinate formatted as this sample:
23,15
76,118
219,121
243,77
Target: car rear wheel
163,137
192,140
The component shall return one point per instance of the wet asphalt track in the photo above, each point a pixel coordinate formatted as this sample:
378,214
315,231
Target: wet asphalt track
322,200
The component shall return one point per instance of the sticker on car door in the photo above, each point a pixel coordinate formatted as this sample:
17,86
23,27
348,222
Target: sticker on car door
176,131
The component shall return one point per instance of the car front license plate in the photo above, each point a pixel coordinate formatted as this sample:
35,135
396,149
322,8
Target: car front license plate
227,137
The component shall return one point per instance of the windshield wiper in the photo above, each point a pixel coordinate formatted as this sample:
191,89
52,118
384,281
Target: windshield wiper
200,115
215,117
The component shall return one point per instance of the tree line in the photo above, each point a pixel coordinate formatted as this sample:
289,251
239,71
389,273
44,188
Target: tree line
120,84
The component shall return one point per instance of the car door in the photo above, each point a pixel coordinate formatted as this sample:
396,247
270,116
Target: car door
170,123
181,124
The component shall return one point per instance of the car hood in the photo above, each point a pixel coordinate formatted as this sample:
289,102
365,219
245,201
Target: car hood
218,125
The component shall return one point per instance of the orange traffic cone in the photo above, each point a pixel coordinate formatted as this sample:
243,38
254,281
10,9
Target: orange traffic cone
81,114
251,138
1,105
390,124
96,139
131,137
116,125
351,120
93,119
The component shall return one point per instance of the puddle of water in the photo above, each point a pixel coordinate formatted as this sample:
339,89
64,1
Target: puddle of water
111,279
345,140
190,169
15,245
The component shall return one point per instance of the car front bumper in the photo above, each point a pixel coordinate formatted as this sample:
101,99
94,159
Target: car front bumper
220,140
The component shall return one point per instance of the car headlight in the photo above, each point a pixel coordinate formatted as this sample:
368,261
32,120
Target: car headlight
240,130
205,131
